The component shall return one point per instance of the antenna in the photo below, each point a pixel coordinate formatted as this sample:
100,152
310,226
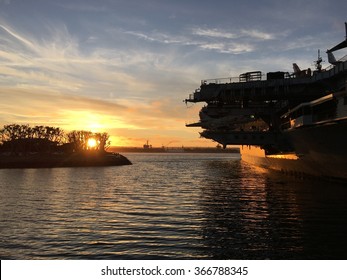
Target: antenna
318,62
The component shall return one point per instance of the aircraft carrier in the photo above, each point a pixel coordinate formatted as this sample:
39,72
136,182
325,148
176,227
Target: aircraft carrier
292,122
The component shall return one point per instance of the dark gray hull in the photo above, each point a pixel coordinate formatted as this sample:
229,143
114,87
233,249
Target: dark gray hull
321,150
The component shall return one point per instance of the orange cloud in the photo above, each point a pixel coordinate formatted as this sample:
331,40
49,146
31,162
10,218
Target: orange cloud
160,121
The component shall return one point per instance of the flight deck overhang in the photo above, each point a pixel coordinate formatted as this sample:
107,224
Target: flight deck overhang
256,138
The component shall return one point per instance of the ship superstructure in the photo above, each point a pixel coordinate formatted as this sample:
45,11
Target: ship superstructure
276,112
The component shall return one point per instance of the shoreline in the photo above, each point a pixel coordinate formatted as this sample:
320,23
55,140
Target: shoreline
63,160
173,150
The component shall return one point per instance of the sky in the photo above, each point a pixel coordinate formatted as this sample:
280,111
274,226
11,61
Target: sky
124,67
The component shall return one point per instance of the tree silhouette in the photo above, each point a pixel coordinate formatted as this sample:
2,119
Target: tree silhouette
79,140
23,139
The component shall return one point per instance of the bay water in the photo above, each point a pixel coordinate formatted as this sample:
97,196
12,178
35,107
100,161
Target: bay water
170,206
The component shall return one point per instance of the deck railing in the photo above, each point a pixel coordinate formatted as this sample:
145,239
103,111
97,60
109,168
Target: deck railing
229,80
220,80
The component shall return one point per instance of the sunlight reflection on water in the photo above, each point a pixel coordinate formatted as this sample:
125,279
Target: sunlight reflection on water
174,206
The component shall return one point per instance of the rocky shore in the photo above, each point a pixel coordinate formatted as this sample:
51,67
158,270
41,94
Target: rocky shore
81,159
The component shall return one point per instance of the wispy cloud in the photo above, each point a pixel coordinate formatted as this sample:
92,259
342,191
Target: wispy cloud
223,41
228,48
18,37
41,62
256,34
210,39
214,32
223,34
160,37
57,62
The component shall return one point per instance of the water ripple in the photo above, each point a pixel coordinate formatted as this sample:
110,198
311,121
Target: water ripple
169,206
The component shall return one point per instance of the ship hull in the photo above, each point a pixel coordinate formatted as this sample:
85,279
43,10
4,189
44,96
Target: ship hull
320,150
283,163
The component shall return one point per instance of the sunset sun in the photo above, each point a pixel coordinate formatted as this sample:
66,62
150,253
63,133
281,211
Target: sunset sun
91,143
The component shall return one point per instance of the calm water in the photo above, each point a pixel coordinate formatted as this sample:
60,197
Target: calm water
175,206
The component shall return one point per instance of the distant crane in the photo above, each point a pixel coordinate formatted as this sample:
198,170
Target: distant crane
165,146
170,143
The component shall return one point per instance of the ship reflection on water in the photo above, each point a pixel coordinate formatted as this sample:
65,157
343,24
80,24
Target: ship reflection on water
170,206
271,216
